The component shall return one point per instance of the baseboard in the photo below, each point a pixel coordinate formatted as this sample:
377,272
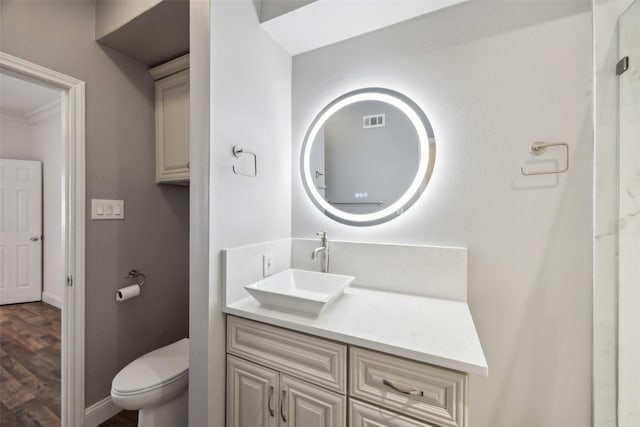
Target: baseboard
100,412
51,299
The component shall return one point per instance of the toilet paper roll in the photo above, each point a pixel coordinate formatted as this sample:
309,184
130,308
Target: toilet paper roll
128,292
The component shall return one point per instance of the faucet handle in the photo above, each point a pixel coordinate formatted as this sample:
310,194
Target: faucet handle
322,234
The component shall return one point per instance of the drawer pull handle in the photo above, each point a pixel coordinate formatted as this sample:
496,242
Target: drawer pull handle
398,389
284,397
270,399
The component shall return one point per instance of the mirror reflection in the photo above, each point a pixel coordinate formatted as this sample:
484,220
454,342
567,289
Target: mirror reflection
368,156
365,157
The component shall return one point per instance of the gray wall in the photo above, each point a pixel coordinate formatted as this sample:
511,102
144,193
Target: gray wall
270,9
112,15
492,77
380,161
120,164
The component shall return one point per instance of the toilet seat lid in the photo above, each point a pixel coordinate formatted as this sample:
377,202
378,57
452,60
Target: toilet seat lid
154,369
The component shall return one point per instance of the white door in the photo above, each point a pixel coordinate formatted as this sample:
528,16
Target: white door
252,394
305,405
20,231
629,228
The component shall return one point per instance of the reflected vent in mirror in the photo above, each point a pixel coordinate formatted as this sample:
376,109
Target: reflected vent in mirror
374,121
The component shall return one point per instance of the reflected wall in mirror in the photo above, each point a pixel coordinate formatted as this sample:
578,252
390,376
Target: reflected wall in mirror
367,156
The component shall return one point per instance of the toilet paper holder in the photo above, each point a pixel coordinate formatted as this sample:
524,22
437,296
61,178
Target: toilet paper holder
134,289
135,273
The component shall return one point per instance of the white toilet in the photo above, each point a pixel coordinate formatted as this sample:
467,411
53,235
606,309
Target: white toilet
156,385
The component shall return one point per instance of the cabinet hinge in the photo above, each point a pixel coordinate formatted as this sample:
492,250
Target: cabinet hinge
622,65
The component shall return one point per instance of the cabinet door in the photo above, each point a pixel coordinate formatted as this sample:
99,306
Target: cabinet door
252,394
305,405
172,128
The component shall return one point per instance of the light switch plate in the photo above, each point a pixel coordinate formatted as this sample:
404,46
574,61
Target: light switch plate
107,209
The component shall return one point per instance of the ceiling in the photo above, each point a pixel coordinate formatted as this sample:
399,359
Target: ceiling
155,36
22,97
323,22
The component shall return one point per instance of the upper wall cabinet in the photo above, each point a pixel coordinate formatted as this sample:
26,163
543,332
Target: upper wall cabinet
172,121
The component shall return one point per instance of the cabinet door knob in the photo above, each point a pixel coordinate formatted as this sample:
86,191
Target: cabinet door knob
271,413
34,238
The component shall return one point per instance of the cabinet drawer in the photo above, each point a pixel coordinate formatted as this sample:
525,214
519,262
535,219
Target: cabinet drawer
313,359
363,415
422,391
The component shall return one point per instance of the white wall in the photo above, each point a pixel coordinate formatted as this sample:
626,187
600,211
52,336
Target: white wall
15,137
201,341
490,88
46,146
251,83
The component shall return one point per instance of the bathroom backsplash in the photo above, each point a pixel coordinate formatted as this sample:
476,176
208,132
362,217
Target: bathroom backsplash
438,272
243,265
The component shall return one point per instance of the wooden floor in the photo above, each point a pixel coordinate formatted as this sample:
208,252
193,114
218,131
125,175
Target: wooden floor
30,368
29,365
123,419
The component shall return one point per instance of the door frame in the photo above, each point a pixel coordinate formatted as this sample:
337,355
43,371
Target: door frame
73,305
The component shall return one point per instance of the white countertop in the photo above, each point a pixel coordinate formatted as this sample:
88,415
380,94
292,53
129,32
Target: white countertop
435,331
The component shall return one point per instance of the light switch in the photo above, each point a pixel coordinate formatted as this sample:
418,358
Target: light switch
107,209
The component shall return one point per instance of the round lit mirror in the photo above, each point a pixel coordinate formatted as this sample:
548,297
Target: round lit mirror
367,156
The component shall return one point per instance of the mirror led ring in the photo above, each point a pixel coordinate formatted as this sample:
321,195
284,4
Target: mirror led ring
425,166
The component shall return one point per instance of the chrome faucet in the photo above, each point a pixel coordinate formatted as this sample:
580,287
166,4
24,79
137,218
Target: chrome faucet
324,249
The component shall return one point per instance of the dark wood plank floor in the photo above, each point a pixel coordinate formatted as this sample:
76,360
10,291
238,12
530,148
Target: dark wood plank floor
29,365
123,419
30,368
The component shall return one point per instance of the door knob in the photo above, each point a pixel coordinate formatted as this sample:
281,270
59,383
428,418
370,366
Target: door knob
34,238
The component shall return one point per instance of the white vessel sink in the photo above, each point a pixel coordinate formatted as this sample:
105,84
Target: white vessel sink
299,291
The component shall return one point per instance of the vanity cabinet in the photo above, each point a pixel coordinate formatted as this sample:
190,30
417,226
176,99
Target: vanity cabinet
280,377
172,121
